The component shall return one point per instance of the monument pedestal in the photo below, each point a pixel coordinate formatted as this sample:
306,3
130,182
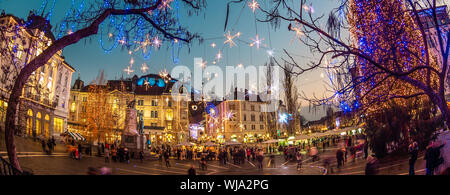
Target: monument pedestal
131,139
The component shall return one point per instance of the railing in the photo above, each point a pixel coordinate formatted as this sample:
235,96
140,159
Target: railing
7,169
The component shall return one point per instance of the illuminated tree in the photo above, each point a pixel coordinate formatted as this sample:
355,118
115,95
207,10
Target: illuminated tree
99,110
391,64
129,24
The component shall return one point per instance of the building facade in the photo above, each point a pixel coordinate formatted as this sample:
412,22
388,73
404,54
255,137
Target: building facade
162,118
43,108
429,26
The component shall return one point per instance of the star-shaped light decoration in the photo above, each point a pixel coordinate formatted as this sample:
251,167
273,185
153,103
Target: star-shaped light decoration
165,4
143,44
298,31
230,38
202,64
128,70
146,84
213,45
253,5
164,75
144,68
256,42
229,116
156,43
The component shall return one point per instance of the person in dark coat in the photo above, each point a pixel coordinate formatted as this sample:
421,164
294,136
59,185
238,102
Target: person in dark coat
413,151
43,146
80,149
340,158
433,157
372,165
191,171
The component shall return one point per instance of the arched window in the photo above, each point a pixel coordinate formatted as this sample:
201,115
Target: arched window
38,124
30,122
46,126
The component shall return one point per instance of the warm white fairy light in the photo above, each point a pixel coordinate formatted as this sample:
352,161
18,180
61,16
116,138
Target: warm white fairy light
202,64
213,45
256,42
308,8
144,68
122,41
165,4
253,5
131,61
128,70
219,56
270,52
230,38
240,65
146,84
143,44
165,75
70,32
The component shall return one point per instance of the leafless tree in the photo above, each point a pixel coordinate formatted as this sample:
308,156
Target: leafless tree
162,24
333,42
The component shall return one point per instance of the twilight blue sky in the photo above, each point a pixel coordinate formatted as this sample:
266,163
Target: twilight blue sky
88,57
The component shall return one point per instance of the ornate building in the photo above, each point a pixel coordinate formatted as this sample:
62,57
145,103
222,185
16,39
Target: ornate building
161,117
43,108
237,120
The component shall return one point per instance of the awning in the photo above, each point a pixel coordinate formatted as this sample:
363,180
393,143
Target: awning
75,136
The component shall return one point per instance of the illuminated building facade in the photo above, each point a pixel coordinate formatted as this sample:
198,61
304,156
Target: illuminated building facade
161,117
43,108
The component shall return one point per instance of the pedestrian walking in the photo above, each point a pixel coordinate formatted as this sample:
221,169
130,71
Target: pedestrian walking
167,158
106,155
43,146
141,156
80,149
299,160
127,155
339,158
413,151
260,158
371,166
433,157
191,171
272,161
114,154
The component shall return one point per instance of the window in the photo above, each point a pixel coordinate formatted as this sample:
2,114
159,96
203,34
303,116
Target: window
253,127
252,108
261,127
169,103
154,103
245,117
84,99
73,107
261,117
154,114
169,126
140,102
74,98
58,125
253,117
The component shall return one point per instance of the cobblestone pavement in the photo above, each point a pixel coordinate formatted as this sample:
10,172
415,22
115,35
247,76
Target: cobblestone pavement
59,163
